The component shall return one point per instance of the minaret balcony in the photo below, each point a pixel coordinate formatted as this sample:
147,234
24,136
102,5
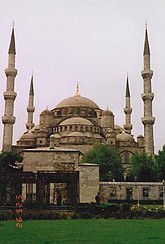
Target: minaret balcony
147,96
148,120
9,95
30,109
128,110
127,127
8,119
11,72
29,125
147,73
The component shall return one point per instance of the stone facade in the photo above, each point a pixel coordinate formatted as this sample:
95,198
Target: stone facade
63,160
131,191
89,182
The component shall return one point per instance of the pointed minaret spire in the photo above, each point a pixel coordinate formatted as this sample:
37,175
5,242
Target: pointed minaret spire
12,49
146,43
8,119
31,92
127,110
127,88
148,120
30,108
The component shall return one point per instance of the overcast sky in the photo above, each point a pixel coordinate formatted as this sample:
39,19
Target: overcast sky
93,42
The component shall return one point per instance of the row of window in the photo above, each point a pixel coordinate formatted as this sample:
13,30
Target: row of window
143,192
77,128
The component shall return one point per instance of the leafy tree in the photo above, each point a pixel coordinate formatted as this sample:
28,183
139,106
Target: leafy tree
108,160
8,187
8,160
142,167
160,164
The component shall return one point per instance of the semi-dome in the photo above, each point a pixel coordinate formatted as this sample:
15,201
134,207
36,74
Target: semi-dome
76,121
77,101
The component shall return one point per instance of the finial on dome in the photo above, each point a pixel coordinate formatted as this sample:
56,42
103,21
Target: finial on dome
77,90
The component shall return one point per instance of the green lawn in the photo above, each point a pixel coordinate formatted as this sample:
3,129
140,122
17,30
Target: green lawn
95,231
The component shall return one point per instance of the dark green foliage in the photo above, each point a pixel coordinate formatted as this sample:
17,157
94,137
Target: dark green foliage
160,164
142,167
108,160
8,162
103,210
7,215
8,159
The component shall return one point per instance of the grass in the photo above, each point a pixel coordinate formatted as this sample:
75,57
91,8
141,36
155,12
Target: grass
94,231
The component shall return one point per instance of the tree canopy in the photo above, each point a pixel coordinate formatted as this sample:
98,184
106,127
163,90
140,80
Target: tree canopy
142,167
109,161
8,160
160,164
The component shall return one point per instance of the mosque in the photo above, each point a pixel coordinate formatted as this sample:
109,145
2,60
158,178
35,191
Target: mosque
70,129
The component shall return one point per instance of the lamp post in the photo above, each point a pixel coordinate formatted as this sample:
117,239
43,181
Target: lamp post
163,182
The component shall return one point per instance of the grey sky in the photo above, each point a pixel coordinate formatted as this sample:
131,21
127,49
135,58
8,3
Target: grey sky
93,42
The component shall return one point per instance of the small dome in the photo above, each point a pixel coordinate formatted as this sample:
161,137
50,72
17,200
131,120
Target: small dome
124,137
76,121
107,112
76,134
77,101
46,112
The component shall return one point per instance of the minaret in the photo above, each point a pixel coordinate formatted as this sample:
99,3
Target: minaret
8,119
30,108
148,120
127,110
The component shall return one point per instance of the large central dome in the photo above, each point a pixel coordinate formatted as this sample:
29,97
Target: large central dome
77,101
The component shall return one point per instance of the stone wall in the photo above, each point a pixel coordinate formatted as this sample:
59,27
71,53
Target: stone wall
64,159
48,160
131,191
89,182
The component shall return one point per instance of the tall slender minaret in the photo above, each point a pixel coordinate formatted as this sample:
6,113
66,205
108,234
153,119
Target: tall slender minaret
127,110
148,120
30,108
8,119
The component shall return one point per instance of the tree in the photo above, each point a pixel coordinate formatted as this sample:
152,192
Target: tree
8,160
8,187
142,167
160,164
108,160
